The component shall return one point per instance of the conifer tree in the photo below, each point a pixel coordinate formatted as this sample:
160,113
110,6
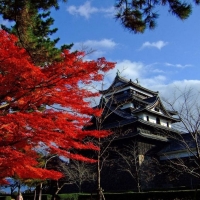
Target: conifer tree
138,15
33,28
134,15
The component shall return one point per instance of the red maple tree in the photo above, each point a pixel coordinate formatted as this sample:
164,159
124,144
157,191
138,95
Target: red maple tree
43,107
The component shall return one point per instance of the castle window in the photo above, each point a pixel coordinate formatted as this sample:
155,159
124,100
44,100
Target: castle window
147,117
167,124
157,109
157,120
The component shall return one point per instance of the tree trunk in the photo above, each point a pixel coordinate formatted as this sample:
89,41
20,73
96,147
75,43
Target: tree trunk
40,192
19,188
35,193
138,180
99,192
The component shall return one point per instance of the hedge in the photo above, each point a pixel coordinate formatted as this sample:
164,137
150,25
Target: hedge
151,195
31,197
71,196
156,195
5,197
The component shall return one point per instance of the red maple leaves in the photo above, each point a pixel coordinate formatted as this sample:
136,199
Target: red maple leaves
43,107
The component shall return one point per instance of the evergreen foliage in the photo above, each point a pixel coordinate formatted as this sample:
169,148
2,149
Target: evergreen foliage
32,27
139,15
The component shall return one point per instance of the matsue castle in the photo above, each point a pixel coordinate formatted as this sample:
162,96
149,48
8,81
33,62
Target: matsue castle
138,108
138,117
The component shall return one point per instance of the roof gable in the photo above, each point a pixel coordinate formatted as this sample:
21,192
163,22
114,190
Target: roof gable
119,83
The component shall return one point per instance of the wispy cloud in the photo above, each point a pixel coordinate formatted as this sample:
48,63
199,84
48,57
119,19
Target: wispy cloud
147,78
156,82
178,65
176,87
104,43
98,47
159,45
86,10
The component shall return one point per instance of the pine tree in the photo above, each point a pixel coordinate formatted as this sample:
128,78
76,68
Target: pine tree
138,15
32,27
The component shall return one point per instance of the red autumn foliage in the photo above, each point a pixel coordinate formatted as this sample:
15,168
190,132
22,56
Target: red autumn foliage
43,107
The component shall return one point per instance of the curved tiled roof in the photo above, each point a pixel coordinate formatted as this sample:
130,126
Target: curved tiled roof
120,82
150,103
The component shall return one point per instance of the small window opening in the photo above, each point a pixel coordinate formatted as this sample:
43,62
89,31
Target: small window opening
157,120
147,117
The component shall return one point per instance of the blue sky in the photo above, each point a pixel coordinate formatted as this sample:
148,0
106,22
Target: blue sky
161,59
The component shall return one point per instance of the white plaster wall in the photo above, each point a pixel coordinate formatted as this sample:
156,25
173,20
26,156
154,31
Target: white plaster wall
163,122
144,117
152,119
128,105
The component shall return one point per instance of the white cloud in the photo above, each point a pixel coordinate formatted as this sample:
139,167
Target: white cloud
86,10
96,44
138,70
178,65
175,89
159,82
158,71
104,43
159,44
128,70
99,47
108,11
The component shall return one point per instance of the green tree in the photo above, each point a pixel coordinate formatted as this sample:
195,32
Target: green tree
33,28
139,15
32,19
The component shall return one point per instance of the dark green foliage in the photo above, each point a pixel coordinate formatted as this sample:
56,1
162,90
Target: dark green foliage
72,196
32,27
5,197
31,196
160,195
153,195
156,195
138,15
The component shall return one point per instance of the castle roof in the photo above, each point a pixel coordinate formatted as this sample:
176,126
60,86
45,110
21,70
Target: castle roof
144,106
121,82
126,103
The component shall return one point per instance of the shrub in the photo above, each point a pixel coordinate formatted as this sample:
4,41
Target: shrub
72,196
5,197
31,196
